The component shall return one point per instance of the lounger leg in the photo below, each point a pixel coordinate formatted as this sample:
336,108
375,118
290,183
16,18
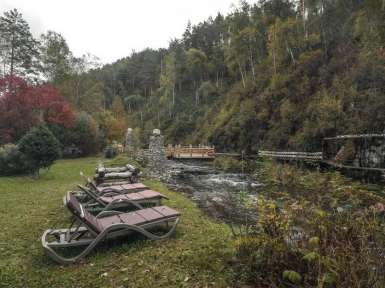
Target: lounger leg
63,260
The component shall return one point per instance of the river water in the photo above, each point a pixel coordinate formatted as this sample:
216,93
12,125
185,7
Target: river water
208,186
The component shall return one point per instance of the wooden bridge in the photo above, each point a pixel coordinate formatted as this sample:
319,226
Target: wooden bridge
190,152
363,153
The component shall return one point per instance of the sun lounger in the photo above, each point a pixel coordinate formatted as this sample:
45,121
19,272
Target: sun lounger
112,176
91,230
117,187
128,173
117,200
112,183
125,168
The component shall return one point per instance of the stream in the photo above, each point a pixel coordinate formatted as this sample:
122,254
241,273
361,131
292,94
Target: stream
208,186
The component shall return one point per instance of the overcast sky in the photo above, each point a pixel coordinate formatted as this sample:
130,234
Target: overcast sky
112,29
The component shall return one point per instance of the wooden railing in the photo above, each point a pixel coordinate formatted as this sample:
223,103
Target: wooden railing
283,155
190,152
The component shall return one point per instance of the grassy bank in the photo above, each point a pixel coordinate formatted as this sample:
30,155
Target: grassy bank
195,257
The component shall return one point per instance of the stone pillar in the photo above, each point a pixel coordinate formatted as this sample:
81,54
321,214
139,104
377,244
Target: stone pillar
156,153
129,147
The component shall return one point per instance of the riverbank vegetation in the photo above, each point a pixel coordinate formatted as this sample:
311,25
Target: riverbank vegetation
235,164
313,230
228,164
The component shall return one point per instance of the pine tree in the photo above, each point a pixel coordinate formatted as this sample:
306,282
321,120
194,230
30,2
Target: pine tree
55,57
19,50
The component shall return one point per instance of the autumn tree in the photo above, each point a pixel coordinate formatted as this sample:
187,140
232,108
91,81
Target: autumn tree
25,106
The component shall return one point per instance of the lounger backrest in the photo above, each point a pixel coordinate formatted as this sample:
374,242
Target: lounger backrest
92,184
91,194
77,209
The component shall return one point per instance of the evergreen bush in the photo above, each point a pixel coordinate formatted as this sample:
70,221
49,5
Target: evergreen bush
12,161
110,152
40,147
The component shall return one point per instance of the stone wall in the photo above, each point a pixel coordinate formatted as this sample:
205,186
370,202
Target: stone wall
156,155
129,147
360,151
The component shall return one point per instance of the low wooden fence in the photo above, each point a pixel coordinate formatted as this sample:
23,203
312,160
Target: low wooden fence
283,155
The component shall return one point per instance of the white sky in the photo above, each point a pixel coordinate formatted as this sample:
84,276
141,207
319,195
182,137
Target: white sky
112,29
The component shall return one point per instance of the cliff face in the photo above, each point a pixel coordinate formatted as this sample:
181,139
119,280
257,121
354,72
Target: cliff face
359,151
372,154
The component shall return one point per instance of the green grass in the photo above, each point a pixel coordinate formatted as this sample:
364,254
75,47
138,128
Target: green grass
195,257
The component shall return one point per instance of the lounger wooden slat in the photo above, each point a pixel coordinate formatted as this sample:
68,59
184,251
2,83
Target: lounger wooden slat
165,211
150,214
133,186
150,194
132,218
122,188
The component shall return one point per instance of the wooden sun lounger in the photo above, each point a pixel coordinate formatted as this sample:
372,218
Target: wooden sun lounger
111,174
91,230
117,187
117,200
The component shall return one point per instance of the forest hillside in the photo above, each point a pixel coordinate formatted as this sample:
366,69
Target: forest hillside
278,74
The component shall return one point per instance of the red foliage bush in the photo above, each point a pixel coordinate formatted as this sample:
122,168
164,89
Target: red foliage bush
23,106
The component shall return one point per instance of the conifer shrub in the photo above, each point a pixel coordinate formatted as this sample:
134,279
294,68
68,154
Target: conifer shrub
110,152
12,160
41,148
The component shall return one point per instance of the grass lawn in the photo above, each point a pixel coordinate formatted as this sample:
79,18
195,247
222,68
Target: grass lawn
195,257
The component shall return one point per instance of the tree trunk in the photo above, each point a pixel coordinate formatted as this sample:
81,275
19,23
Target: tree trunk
252,63
243,77
303,12
290,52
12,53
196,97
173,95
274,60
